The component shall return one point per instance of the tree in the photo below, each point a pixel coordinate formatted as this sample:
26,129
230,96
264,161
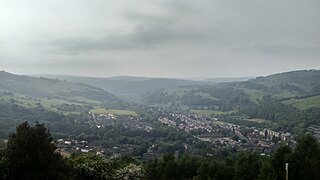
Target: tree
32,154
131,171
4,165
305,162
247,166
214,169
91,166
278,161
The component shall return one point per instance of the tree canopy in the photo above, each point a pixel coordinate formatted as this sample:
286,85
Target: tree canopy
32,154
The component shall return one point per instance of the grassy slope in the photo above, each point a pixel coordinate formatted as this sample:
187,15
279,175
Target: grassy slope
129,88
278,86
304,103
31,92
210,112
50,88
119,112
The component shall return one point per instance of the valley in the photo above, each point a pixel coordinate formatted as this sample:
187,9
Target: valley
192,117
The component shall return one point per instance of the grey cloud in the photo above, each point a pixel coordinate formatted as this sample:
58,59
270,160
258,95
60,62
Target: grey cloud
289,49
280,50
160,37
148,32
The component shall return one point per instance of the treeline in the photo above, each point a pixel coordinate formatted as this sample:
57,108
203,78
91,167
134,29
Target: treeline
210,97
304,163
30,154
165,139
272,110
12,114
287,117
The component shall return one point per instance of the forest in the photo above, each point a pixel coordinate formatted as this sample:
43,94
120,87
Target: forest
31,153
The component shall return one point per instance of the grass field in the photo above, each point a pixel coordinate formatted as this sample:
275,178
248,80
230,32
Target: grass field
206,95
47,103
119,112
210,112
304,103
256,120
218,122
254,95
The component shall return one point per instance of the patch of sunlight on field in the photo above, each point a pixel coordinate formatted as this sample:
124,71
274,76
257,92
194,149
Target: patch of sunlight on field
210,112
114,111
304,103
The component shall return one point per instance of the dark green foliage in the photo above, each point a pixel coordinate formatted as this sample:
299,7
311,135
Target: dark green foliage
304,163
123,161
188,167
5,166
11,115
214,170
32,154
91,167
131,171
222,98
247,166
278,161
272,110
54,88
305,160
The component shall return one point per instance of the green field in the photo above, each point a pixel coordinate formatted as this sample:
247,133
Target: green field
254,95
47,103
217,122
256,120
119,112
304,103
206,95
210,112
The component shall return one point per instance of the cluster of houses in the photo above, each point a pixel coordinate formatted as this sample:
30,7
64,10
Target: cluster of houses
315,130
75,145
263,140
187,123
101,120
98,121
221,134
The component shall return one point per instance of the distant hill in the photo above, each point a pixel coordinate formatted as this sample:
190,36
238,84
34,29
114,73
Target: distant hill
221,80
285,85
287,101
53,88
145,89
230,95
128,87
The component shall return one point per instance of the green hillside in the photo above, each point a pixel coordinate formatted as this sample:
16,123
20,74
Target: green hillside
285,85
228,96
304,103
31,90
128,87
290,101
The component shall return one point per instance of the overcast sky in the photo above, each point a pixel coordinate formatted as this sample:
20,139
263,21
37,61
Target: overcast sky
169,38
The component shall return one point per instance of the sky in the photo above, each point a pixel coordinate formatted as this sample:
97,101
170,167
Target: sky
162,38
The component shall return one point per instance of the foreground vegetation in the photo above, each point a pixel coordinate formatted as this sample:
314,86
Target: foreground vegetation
30,154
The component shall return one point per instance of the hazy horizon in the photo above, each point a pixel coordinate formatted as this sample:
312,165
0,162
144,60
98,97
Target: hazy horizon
159,38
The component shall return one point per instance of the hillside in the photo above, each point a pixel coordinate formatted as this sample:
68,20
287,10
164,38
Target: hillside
289,100
128,87
284,86
55,89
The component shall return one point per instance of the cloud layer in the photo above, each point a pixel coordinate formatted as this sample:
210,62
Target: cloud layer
172,38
